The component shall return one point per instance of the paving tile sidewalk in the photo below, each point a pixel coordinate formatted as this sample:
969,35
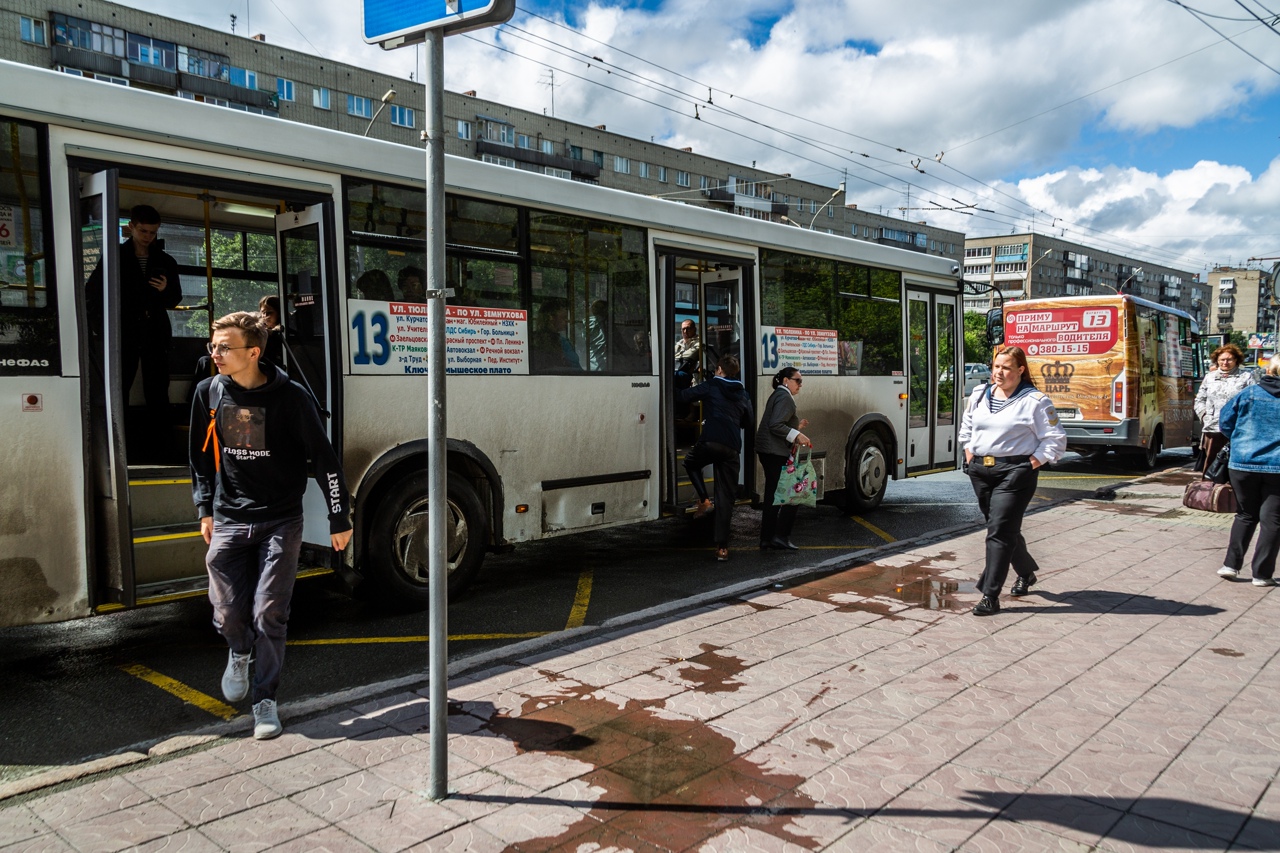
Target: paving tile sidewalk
1128,704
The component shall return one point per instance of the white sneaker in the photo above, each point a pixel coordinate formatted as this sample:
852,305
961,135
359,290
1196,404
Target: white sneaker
1264,581
266,723
1228,572
235,679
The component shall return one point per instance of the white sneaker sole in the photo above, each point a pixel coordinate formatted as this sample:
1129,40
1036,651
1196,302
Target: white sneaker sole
1228,573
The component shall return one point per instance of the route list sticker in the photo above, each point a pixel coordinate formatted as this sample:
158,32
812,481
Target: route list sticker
394,338
810,350
1062,331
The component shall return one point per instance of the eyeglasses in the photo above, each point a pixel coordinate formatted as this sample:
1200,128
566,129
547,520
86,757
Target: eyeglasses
222,349
797,380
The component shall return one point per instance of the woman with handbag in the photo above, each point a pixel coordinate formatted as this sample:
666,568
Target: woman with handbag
1009,430
1251,422
1219,386
779,431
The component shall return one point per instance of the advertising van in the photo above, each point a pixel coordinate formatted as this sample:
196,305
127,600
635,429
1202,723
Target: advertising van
1122,372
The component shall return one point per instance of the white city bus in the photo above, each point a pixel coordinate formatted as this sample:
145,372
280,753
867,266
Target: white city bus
554,426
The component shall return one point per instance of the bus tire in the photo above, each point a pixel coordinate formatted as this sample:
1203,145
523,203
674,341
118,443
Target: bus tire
396,567
867,477
1147,458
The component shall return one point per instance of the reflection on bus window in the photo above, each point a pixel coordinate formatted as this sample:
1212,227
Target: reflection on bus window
28,311
236,271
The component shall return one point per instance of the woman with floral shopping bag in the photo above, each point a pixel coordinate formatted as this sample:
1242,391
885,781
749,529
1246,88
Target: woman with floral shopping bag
779,430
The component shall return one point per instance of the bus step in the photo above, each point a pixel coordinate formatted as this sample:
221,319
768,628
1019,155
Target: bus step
160,496
168,552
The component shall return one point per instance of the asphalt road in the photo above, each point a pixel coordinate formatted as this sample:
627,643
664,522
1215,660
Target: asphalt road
96,686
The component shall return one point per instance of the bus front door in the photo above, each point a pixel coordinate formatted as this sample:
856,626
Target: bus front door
304,245
705,296
99,254
934,382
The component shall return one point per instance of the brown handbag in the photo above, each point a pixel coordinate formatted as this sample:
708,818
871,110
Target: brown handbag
1208,496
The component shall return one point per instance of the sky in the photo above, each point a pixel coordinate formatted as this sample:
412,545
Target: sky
1147,127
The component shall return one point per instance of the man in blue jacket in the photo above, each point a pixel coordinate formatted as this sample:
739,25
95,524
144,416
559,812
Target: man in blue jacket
726,412
255,437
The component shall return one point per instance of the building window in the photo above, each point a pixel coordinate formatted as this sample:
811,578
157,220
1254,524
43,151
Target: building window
86,35
284,89
320,98
32,30
359,107
401,116
622,165
464,129
597,157
682,179
203,64
704,183
548,147
557,173
500,132
662,174
148,51
244,78
831,211
500,161
642,170
575,152
523,141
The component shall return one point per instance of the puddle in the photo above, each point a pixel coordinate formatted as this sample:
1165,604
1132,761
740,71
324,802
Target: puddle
710,671
1121,508
1228,653
667,782
889,590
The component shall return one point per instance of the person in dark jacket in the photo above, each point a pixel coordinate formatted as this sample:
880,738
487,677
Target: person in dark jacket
726,413
149,287
255,437
1251,422
779,431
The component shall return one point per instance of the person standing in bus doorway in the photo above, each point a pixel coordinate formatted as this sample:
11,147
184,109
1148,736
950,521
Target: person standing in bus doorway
726,413
255,437
779,433
149,288
1010,429
1251,422
1226,380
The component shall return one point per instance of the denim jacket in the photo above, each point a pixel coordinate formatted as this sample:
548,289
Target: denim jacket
1251,422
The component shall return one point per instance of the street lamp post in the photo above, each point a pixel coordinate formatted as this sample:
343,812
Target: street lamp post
386,99
839,190
1026,292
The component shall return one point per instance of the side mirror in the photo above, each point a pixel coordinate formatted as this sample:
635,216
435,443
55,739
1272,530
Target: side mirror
995,327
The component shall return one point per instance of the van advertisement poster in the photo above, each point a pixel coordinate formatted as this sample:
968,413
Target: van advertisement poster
392,338
809,350
1064,330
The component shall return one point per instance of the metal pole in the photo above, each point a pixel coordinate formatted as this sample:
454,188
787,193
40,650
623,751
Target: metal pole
437,487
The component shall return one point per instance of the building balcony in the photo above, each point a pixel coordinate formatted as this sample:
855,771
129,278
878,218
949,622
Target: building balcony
209,87
88,60
153,76
734,200
580,169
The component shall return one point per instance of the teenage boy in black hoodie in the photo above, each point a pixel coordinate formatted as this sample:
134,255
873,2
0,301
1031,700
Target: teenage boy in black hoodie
249,467
727,412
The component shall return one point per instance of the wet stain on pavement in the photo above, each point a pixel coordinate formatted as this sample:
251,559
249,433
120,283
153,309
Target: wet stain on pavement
889,590
1228,653
712,672
1120,508
663,782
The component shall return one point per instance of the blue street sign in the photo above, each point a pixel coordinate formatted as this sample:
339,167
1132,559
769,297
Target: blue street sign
393,20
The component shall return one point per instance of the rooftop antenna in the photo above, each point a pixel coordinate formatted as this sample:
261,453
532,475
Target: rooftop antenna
551,82
233,23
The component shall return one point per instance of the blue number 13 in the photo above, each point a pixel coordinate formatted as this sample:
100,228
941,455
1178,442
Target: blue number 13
382,346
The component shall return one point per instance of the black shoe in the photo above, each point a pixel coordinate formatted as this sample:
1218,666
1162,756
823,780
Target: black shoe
1023,585
988,606
780,544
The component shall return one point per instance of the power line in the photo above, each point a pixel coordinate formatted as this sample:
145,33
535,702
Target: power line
1234,44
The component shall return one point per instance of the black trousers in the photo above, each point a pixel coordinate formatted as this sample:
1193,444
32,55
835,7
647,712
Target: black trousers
725,467
153,434
1258,496
775,521
1004,491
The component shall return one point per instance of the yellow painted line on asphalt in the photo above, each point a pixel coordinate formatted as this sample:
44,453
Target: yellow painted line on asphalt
423,638
578,614
876,530
166,537
185,482
190,695
1078,476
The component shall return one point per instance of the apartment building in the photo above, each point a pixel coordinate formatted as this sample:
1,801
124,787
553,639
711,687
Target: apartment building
1030,265
130,47
1242,300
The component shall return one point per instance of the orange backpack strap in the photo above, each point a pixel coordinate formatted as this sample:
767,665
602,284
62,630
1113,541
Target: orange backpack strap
211,434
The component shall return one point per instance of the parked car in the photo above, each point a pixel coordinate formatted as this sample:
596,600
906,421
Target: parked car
975,375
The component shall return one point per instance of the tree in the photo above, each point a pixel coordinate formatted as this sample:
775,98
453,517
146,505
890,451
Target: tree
977,349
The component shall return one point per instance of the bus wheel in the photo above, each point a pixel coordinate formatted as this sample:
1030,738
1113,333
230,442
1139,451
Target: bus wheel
1146,459
397,563
868,473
